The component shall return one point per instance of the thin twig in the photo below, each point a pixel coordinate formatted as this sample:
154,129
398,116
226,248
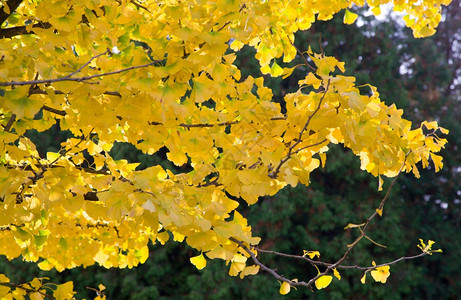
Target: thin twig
321,263
77,79
36,90
274,173
309,146
365,226
87,63
304,58
262,266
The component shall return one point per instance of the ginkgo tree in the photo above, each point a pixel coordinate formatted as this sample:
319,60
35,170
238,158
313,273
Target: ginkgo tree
161,74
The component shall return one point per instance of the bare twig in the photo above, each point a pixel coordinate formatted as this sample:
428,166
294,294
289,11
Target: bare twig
321,263
365,226
329,266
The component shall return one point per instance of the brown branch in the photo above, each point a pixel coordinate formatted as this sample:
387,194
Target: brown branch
138,5
273,174
28,290
55,111
304,58
329,266
365,226
77,79
264,267
309,146
321,263
87,63
8,125
36,90
12,5
21,30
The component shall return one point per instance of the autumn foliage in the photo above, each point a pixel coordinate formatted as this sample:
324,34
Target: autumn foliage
160,74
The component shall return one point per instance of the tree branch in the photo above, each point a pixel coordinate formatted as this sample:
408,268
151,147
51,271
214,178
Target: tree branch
12,5
274,173
77,79
36,90
20,30
8,126
329,266
26,289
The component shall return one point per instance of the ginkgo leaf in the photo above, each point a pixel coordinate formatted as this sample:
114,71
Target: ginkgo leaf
198,261
351,225
364,277
349,17
311,79
276,70
380,183
323,281
284,288
336,273
437,160
64,291
380,274
311,254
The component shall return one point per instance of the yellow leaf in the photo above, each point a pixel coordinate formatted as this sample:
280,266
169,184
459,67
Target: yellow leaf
288,71
381,274
276,70
3,278
236,267
198,261
52,156
351,225
336,273
311,79
311,254
379,212
437,160
236,45
380,183
364,277
4,289
64,291
349,17
142,254
163,237
36,296
250,270
101,257
285,288
6,8
376,10
36,283
323,281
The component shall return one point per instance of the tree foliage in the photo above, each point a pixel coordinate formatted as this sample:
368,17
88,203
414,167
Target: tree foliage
162,76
